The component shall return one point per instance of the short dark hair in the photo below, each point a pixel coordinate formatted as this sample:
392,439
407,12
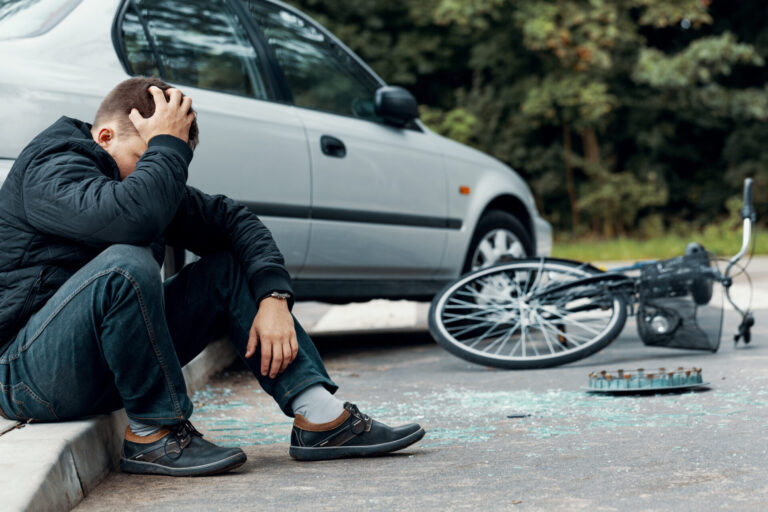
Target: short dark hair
130,94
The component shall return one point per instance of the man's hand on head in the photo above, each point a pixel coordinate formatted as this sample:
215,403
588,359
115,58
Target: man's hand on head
173,116
273,328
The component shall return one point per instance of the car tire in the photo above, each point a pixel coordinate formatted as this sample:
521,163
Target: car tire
491,222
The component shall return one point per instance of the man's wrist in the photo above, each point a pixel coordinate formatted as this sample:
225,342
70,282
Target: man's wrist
277,295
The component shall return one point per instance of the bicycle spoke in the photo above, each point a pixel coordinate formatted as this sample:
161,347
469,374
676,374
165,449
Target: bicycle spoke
489,302
573,322
522,338
534,347
479,315
544,333
579,325
538,277
506,338
514,347
479,295
469,292
481,338
462,304
570,334
467,329
566,335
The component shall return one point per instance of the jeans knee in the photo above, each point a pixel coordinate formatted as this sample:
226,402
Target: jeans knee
135,260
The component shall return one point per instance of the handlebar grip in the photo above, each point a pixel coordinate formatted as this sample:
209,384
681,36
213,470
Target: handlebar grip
748,210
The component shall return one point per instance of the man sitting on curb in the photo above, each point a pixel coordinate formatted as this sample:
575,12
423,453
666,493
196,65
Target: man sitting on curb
86,324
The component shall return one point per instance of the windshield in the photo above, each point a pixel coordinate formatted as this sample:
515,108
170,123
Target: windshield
29,18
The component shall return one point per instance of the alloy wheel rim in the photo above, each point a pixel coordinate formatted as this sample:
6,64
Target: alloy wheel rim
497,246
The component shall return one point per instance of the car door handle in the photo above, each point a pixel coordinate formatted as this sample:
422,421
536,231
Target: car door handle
332,146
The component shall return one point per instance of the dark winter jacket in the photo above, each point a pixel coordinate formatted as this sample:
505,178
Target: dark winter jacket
63,202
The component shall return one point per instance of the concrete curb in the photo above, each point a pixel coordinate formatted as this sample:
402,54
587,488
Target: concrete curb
53,466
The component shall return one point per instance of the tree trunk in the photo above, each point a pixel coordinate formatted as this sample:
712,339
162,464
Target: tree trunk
592,156
591,147
570,186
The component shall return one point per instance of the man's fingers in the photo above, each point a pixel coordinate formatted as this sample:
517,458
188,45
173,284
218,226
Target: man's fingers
286,355
277,362
186,104
158,95
294,346
266,357
253,341
175,96
136,118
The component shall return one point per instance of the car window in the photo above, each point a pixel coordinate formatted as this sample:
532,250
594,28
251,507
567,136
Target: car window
29,18
321,75
141,58
201,43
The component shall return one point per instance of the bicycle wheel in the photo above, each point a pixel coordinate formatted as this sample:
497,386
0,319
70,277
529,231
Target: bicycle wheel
528,314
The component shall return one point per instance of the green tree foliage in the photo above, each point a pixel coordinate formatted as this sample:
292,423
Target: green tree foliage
622,114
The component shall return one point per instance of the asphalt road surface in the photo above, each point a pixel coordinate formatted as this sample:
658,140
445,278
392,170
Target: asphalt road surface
693,451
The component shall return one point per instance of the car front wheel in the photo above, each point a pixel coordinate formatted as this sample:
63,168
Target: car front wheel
499,237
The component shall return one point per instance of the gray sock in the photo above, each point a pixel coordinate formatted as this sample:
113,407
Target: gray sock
317,405
142,429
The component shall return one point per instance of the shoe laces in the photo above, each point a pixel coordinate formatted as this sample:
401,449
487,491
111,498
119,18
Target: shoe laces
182,434
363,423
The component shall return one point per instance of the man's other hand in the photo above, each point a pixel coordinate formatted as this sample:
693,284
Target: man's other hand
273,328
172,116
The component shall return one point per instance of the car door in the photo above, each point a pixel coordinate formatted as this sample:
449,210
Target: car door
252,148
378,192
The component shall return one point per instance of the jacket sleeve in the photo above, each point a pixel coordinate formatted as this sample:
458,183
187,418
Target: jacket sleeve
206,224
65,194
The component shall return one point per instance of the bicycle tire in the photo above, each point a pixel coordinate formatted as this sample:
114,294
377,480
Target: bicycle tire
569,271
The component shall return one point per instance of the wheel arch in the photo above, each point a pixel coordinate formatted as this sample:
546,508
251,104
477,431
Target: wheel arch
514,206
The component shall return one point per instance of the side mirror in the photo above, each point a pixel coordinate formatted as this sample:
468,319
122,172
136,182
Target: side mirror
395,105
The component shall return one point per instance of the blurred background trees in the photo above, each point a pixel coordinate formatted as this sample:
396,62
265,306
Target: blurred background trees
628,117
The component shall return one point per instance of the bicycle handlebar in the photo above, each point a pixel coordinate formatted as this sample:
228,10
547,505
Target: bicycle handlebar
748,216
748,210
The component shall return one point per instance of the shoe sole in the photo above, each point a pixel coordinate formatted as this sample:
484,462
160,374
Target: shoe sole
339,452
213,468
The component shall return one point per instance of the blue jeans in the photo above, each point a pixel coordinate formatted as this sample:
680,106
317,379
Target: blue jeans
114,335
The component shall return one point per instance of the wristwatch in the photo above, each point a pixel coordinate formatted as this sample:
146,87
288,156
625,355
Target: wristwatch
279,295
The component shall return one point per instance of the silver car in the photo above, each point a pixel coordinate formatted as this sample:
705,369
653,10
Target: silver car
363,200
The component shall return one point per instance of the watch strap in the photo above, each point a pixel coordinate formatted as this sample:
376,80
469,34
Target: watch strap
278,295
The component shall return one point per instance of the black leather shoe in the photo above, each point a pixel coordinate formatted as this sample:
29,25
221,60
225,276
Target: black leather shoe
177,451
353,434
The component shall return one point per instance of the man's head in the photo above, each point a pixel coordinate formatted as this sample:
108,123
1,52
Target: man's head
114,131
